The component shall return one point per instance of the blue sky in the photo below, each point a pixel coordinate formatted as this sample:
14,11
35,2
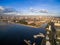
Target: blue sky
37,7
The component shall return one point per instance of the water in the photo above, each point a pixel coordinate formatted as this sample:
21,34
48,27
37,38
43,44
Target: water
14,34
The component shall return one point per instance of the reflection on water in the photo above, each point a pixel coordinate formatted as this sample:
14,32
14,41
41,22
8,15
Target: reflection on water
14,34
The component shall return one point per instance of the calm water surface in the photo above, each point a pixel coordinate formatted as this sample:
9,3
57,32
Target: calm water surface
14,34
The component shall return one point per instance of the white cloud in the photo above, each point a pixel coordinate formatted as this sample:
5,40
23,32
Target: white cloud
10,13
2,8
30,11
38,10
7,11
43,11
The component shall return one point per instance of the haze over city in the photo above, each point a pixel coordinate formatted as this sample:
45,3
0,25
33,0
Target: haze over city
30,7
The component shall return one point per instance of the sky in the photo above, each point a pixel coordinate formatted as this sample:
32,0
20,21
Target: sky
33,7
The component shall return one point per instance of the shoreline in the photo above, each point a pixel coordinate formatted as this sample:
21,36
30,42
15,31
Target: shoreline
27,25
21,24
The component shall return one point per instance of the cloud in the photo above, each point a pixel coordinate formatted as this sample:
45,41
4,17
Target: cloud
43,11
38,10
1,8
12,11
7,11
33,10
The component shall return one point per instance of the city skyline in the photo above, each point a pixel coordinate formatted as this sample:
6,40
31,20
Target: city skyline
31,7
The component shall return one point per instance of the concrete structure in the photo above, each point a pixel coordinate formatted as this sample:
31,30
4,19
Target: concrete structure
51,36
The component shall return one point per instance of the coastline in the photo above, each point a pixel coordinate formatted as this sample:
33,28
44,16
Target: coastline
26,25
5,23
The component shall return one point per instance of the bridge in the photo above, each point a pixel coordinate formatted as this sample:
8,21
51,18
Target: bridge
49,38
